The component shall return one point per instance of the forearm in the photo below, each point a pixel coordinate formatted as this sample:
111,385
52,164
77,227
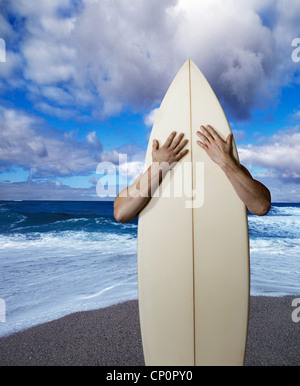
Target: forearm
255,195
132,200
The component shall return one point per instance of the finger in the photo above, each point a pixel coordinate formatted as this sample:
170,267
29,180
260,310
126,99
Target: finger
177,141
208,131
181,154
229,139
202,128
170,139
155,145
202,145
203,137
214,134
181,145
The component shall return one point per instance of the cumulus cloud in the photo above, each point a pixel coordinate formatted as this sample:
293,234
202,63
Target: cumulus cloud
47,190
279,156
25,142
129,160
151,40
111,55
150,117
77,59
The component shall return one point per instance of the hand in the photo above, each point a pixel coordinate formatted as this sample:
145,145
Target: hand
172,150
217,149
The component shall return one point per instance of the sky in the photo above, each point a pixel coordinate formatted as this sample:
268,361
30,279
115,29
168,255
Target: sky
81,80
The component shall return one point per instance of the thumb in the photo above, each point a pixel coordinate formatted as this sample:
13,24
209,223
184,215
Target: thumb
229,139
155,144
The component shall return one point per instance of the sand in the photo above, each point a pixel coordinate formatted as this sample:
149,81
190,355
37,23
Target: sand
111,337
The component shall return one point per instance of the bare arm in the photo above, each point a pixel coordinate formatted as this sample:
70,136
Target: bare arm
254,194
132,200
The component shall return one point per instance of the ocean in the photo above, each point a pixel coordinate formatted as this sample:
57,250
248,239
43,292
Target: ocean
61,257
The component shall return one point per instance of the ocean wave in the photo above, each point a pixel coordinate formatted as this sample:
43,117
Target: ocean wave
106,289
57,258
274,227
276,246
69,240
285,209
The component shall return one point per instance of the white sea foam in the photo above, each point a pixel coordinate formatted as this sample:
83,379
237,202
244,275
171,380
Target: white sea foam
275,252
45,276
74,263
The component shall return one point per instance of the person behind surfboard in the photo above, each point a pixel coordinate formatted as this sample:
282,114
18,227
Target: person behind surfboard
257,198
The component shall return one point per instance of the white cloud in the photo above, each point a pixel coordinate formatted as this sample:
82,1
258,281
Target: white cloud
93,140
129,160
59,112
132,170
35,190
229,42
282,190
114,54
107,55
150,118
279,156
25,142
48,62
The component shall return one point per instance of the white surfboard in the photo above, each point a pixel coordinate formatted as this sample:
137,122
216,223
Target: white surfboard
193,244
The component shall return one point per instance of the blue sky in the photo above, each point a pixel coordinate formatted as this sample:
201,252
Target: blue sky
82,79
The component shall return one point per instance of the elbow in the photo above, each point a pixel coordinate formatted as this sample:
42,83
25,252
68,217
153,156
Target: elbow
122,213
267,209
118,216
121,217
265,205
262,210
117,211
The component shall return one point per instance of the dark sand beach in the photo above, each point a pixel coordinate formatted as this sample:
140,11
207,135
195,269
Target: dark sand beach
111,337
